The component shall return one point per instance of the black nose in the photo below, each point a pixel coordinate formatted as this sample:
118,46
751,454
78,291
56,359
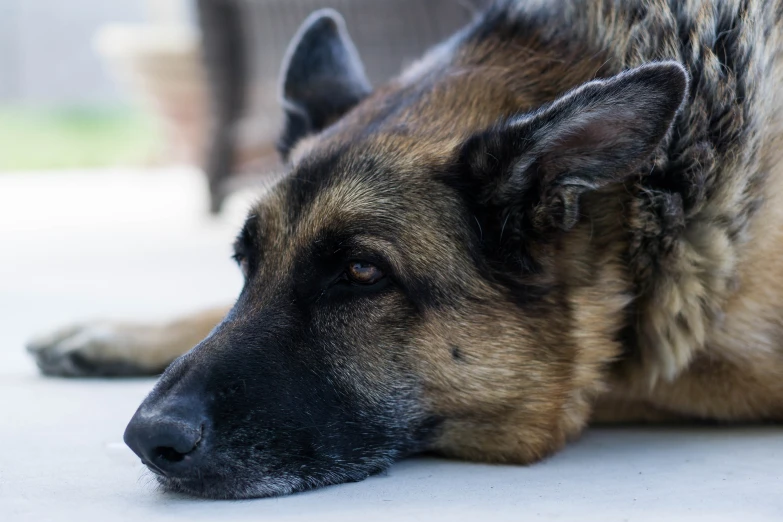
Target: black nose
167,442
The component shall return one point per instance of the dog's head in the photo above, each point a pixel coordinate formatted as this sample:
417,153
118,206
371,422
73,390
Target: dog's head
440,270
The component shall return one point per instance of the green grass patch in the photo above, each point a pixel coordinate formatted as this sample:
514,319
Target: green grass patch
64,138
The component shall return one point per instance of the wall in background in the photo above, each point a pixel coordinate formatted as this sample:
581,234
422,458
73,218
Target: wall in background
46,49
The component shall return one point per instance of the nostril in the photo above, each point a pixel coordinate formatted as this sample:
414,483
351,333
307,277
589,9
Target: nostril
164,442
180,443
168,454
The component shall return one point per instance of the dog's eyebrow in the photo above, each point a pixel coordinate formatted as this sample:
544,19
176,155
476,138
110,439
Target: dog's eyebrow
248,234
382,245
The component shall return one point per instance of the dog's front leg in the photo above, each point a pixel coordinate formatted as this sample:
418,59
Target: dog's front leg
109,348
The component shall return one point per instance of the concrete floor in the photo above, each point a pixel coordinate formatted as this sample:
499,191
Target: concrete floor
137,245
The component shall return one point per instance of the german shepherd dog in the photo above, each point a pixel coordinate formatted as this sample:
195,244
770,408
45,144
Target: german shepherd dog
569,212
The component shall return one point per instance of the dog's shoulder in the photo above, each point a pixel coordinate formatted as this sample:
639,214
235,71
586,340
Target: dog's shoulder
693,211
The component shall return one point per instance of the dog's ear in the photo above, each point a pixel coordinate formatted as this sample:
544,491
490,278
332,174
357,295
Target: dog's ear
322,77
595,135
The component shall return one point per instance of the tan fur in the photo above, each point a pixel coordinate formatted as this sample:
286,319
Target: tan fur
123,347
715,295
737,374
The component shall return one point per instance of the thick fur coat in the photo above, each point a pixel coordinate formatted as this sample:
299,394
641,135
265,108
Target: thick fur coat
570,211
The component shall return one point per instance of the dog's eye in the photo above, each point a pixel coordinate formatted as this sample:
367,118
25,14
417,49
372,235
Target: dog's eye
241,260
363,273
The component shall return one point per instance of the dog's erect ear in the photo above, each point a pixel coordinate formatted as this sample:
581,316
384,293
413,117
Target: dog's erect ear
322,77
595,135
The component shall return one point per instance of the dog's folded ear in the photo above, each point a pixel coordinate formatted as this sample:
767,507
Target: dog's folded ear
593,136
322,77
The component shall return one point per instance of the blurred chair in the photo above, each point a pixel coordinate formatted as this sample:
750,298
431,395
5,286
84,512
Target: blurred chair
243,46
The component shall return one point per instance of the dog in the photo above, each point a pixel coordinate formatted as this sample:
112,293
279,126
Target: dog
569,212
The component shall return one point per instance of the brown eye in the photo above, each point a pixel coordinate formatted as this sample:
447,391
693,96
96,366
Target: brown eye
363,273
242,262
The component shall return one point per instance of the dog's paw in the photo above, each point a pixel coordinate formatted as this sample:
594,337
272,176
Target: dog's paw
89,350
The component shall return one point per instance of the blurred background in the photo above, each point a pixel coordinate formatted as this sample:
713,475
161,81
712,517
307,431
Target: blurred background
70,95
91,84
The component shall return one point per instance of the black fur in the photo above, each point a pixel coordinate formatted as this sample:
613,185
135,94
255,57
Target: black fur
585,140
309,429
322,77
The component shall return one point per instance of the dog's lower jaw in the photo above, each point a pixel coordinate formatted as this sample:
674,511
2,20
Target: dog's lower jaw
233,486
231,490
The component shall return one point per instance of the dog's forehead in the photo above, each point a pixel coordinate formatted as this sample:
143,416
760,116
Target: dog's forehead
341,190
364,202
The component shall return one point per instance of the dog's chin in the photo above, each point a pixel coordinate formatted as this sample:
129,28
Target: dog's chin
233,489
249,485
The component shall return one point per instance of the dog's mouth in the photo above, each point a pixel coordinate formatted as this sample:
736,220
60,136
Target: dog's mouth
218,488
223,481
221,487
